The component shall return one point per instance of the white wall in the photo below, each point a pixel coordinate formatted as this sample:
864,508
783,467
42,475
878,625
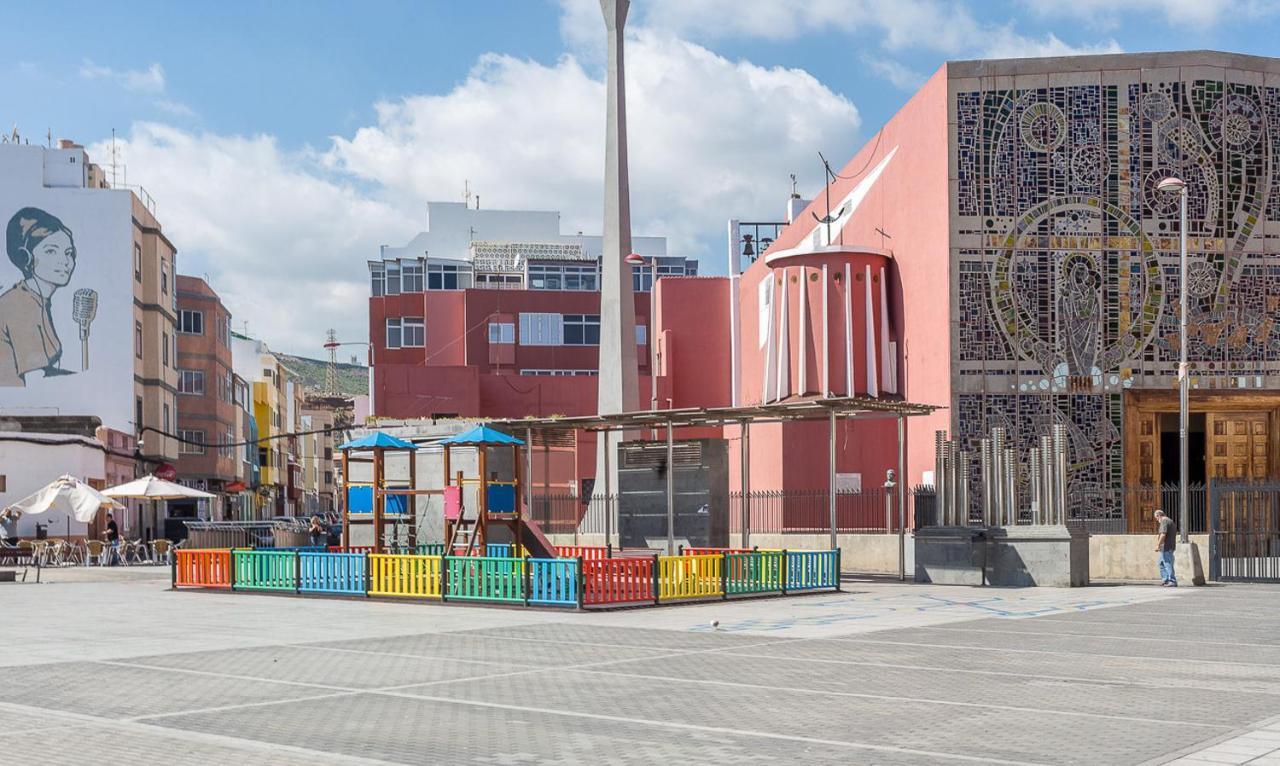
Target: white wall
100,222
28,467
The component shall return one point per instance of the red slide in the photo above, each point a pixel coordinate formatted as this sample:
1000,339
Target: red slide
534,541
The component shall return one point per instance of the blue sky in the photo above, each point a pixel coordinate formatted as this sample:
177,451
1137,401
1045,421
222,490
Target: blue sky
285,140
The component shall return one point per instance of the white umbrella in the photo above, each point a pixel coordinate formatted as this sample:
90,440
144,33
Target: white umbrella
151,488
154,489
66,494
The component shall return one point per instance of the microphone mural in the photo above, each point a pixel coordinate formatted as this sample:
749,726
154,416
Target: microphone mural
83,309
43,250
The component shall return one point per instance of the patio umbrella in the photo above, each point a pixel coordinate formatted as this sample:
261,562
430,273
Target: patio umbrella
154,489
66,494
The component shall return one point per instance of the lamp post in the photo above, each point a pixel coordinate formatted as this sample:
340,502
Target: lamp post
1177,185
635,259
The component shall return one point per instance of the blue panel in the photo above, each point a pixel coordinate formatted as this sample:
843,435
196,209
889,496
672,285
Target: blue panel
502,498
360,499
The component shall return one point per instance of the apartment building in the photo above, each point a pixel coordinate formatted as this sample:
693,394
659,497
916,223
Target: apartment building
206,395
496,313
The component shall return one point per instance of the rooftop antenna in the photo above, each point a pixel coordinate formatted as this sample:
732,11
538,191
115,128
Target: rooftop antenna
828,219
794,194
114,157
331,369
477,202
48,137
466,193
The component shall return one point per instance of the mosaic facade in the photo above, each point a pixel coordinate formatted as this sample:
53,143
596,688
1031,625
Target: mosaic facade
1065,255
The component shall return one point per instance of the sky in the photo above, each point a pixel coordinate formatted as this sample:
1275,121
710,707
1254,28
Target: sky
285,141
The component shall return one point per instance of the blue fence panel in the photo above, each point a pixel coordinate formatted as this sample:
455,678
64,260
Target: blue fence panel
553,582
498,550
810,570
294,548
332,573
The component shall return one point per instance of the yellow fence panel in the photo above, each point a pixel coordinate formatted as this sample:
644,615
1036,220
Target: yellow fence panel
690,576
397,575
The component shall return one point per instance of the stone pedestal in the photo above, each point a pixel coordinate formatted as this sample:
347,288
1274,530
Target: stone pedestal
949,555
1019,556
1050,555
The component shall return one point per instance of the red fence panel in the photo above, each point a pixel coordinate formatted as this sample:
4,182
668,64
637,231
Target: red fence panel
617,581
587,552
202,568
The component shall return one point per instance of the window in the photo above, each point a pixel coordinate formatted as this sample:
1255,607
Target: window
544,276
191,322
500,281
137,413
164,348
137,339
541,330
378,281
581,329
411,278
415,332
394,335
559,373
191,381
164,425
442,276
137,262
328,478
187,448
502,332
164,276
228,450
393,279
224,328
642,334
642,276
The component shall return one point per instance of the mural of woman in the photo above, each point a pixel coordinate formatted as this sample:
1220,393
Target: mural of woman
44,251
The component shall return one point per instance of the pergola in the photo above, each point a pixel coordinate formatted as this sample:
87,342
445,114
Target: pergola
809,408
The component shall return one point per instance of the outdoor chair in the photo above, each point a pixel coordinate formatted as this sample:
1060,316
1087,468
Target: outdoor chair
161,550
95,552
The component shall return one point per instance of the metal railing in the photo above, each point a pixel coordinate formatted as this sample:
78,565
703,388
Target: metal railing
565,514
246,534
809,511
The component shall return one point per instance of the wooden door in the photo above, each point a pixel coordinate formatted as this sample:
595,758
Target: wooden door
1139,503
1238,445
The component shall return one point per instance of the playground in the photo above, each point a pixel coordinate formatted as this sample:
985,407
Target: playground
491,551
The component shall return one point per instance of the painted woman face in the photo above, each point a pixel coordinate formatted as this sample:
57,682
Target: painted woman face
55,259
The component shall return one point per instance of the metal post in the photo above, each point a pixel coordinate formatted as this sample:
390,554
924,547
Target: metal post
1060,473
746,483
1037,508
963,458
528,472
997,475
608,489
1048,479
1011,485
953,484
939,480
671,493
831,474
1183,381
902,498
653,346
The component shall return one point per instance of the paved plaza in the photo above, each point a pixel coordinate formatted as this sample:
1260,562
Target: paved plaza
111,667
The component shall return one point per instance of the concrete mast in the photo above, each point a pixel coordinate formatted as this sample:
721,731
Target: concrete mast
619,389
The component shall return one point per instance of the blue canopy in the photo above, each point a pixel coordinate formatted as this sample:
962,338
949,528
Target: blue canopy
378,440
481,435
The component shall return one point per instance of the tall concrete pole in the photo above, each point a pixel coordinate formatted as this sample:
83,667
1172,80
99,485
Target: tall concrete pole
618,379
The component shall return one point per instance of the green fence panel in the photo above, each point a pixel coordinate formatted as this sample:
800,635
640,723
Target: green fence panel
265,569
754,572
485,578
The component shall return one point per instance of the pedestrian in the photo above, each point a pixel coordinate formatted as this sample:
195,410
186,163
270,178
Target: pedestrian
113,540
319,533
1166,540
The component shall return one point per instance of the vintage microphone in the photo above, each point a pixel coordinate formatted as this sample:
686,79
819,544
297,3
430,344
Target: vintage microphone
84,307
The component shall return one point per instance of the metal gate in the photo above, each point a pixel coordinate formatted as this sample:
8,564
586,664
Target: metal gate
1244,542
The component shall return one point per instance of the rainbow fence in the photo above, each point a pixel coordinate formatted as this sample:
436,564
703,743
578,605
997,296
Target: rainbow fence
576,581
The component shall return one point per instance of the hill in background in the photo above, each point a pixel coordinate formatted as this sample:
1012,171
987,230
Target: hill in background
353,379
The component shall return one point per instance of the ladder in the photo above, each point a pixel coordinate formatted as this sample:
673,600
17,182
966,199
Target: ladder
464,530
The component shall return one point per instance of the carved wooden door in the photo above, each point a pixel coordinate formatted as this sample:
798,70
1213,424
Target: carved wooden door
1238,445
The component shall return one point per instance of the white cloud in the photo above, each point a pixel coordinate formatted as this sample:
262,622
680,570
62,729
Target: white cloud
1187,13
282,244
1006,43
175,108
710,138
898,74
150,80
284,236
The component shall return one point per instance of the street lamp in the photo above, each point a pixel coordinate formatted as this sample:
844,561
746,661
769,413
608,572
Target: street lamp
635,259
1176,185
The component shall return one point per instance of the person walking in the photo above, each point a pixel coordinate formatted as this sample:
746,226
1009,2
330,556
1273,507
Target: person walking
1166,541
319,533
113,540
